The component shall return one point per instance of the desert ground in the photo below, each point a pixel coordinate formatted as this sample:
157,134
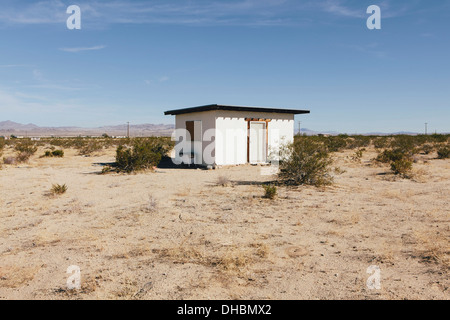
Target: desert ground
179,234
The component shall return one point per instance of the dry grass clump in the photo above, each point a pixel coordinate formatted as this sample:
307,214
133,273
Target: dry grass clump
58,189
15,277
270,191
433,246
223,181
228,258
151,205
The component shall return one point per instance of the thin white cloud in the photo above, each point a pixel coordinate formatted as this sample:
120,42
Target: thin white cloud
99,14
80,49
13,66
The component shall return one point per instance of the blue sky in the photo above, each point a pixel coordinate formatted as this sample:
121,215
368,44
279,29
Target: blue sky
132,60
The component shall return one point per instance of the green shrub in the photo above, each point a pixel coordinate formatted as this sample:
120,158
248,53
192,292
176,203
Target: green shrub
306,161
337,143
388,156
270,191
401,167
58,153
406,144
381,142
144,153
357,142
443,152
55,153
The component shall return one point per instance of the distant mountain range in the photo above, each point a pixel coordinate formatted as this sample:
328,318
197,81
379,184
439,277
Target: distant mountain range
334,133
8,128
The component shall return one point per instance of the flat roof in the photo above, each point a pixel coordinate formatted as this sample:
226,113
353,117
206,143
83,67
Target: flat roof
210,107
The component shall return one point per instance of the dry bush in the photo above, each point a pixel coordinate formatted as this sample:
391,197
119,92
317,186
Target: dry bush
223,181
233,259
15,277
357,156
26,146
433,246
58,189
151,205
443,152
9,160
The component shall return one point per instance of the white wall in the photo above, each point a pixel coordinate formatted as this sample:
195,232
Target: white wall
230,142
208,122
231,146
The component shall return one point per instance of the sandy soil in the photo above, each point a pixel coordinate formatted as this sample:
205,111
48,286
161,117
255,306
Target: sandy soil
177,234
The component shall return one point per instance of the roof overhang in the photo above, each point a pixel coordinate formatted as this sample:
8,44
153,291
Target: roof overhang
211,107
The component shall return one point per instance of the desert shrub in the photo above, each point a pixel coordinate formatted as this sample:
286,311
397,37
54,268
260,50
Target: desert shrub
90,147
270,191
26,146
2,143
58,153
336,143
388,156
438,138
427,148
9,160
357,156
401,166
58,189
357,142
305,161
381,142
23,157
443,152
55,153
144,153
405,144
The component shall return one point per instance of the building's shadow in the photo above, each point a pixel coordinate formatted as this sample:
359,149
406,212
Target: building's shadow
167,163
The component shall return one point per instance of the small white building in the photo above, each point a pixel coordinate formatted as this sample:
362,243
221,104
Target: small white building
230,135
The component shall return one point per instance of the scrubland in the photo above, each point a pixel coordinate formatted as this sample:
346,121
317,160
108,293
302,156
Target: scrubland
187,233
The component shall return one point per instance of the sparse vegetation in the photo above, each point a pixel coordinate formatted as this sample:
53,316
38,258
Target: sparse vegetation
270,191
58,189
357,156
54,153
444,152
223,181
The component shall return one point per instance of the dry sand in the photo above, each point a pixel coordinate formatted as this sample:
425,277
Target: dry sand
176,234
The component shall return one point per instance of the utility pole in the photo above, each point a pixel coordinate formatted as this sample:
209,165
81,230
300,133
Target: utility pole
128,129
299,130
426,128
